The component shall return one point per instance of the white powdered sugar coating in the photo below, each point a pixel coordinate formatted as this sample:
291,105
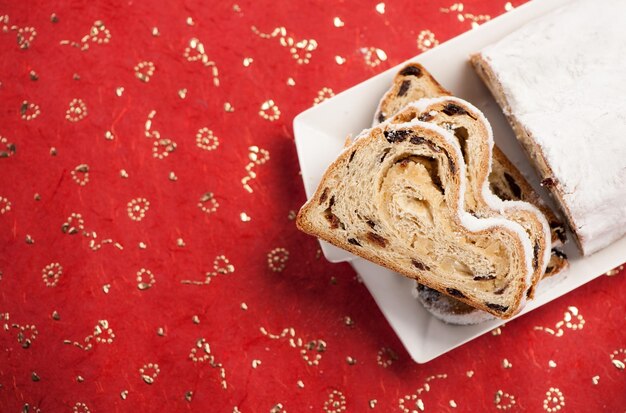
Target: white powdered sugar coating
564,76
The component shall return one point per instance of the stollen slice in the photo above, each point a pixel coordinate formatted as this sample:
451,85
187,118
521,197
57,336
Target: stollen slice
474,136
395,197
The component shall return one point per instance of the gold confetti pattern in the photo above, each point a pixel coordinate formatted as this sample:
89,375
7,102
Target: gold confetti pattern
277,259
137,208
410,402
571,320
426,40
51,274
554,400
144,71
373,56
29,110
221,265
257,156
301,50
324,94
205,139
76,111
504,401
336,402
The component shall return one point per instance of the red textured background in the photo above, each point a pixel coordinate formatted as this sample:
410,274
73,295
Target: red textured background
309,295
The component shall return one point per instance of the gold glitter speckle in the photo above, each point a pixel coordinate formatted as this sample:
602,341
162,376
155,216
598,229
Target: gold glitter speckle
372,403
551,364
340,60
155,32
51,274
54,18
221,265
277,259
569,317
33,76
76,111
452,404
247,61
301,50
194,52
10,148
337,22
119,91
380,8
188,395
504,401
245,217
614,271
195,319
350,360
554,400
124,394
80,379
29,239
161,332
55,315
25,36
206,139
149,372
5,205
228,107
180,242
291,82
190,21
182,93
208,204
80,174
108,135
508,6
269,111
172,176
35,377
123,173
385,357
144,70
335,403
244,306
324,94
257,156
506,364
106,288
137,208
300,384
426,40
373,56
29,110
595,380
256,363
145,279
81,408
618,358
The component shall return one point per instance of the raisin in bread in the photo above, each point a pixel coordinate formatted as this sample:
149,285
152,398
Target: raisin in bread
413,82
473,133
447,309
396,196
565,102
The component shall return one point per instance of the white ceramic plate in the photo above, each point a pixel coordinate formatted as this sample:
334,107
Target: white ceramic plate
321,131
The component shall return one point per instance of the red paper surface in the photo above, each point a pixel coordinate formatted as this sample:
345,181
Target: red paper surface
266,324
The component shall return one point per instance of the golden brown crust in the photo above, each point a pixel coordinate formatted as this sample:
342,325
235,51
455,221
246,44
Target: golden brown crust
533,151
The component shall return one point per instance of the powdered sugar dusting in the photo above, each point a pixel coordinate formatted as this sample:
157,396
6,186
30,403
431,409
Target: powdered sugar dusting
563,76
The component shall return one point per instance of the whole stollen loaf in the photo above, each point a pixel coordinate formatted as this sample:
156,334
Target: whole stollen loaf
395,197
560,82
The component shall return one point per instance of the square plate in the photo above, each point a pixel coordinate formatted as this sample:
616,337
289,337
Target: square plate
320,133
